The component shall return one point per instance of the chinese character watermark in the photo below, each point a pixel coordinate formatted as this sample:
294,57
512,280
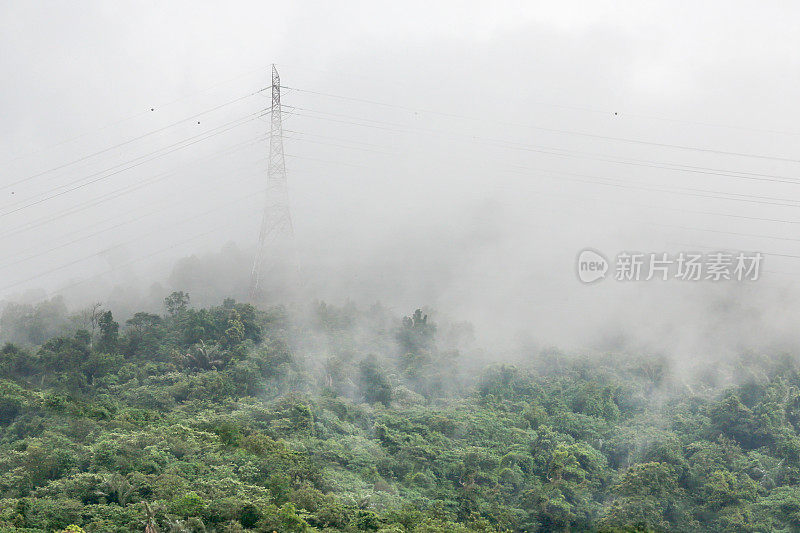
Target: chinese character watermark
684,266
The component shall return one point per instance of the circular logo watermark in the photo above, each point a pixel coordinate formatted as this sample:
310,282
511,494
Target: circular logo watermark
591,265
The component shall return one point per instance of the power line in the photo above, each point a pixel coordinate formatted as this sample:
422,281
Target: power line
318,136
125,190
383,152
325,161
618,185
735,233
148,110
560,131
249,195
141,216
129,141
617,112
171,247
728,248
687,191
560,152
139,161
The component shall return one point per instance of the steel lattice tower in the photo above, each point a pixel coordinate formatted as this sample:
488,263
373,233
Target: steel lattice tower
276,225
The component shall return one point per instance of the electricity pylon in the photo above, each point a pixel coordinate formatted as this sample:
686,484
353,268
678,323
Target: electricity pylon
274,239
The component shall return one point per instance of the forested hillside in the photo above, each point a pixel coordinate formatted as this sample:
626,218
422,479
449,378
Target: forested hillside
238,419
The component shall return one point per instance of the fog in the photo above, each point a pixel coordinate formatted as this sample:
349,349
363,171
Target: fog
456,155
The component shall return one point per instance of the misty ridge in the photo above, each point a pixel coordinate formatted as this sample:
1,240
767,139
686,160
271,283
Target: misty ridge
700,338
700,324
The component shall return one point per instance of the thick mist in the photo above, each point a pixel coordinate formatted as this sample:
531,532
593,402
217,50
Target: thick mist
436,156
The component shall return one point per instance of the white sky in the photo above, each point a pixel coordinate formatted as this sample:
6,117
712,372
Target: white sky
448,199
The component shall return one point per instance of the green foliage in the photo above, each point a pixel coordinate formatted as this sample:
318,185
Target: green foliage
33,324
109,333
186,505
231,419
373,384
176,303
416,334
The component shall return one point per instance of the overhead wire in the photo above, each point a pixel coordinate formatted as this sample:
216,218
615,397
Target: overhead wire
250,195
165,249
558,152
229,150
129,141
148,110
80,183
592,200
618,112
557,130
140,216
688,191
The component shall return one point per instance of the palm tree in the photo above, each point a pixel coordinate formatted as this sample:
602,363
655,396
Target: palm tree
150,522
206,357
117,489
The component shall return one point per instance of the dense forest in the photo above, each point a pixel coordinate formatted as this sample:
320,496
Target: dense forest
233,418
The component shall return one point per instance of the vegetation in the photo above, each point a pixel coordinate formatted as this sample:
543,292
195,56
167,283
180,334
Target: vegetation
234,419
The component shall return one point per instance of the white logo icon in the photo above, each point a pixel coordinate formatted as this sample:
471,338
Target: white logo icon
591,266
